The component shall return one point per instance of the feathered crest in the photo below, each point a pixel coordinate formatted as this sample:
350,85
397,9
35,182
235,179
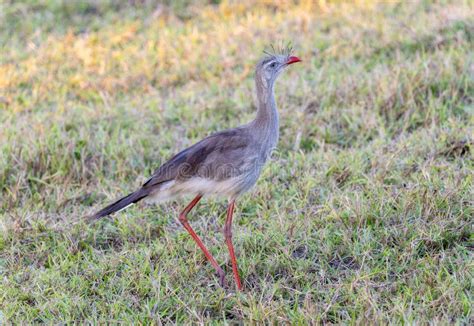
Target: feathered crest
282,50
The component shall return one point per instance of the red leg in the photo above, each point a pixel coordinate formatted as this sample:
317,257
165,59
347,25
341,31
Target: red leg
228,240
187,226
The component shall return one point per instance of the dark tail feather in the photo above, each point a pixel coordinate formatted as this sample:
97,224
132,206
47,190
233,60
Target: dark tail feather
120,204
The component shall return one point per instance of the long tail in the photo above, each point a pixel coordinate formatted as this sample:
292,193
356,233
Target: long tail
121,204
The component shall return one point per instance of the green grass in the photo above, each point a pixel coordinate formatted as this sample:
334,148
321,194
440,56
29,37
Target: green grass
363,216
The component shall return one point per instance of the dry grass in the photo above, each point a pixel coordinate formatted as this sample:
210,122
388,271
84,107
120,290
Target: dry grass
365,215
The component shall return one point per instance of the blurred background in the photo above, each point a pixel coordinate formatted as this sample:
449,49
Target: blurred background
363,213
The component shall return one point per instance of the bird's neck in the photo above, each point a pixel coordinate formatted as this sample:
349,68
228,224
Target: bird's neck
266,123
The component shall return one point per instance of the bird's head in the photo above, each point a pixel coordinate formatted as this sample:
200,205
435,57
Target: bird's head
273,63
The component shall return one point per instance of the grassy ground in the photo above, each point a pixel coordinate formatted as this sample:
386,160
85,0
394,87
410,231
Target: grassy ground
364,215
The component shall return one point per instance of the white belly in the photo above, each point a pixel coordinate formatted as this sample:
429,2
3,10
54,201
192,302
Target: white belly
229,188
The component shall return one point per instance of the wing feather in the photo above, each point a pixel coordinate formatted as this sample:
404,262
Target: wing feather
218,156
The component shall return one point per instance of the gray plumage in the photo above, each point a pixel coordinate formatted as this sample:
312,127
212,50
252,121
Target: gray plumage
227,163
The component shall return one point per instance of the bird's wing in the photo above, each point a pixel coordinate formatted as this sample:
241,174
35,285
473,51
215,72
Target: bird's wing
219,156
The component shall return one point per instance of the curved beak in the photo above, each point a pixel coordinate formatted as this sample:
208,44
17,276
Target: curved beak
292,60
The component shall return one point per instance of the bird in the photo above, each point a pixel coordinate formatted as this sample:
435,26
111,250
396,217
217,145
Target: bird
226,163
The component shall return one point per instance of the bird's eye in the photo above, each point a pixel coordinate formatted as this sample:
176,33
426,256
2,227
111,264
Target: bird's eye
273,65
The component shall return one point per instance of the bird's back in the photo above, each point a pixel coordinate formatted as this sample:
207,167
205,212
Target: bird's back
226,163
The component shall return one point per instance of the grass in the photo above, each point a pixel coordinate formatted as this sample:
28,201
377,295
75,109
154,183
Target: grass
363,216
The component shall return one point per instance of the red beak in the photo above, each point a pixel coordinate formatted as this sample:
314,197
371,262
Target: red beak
293,59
